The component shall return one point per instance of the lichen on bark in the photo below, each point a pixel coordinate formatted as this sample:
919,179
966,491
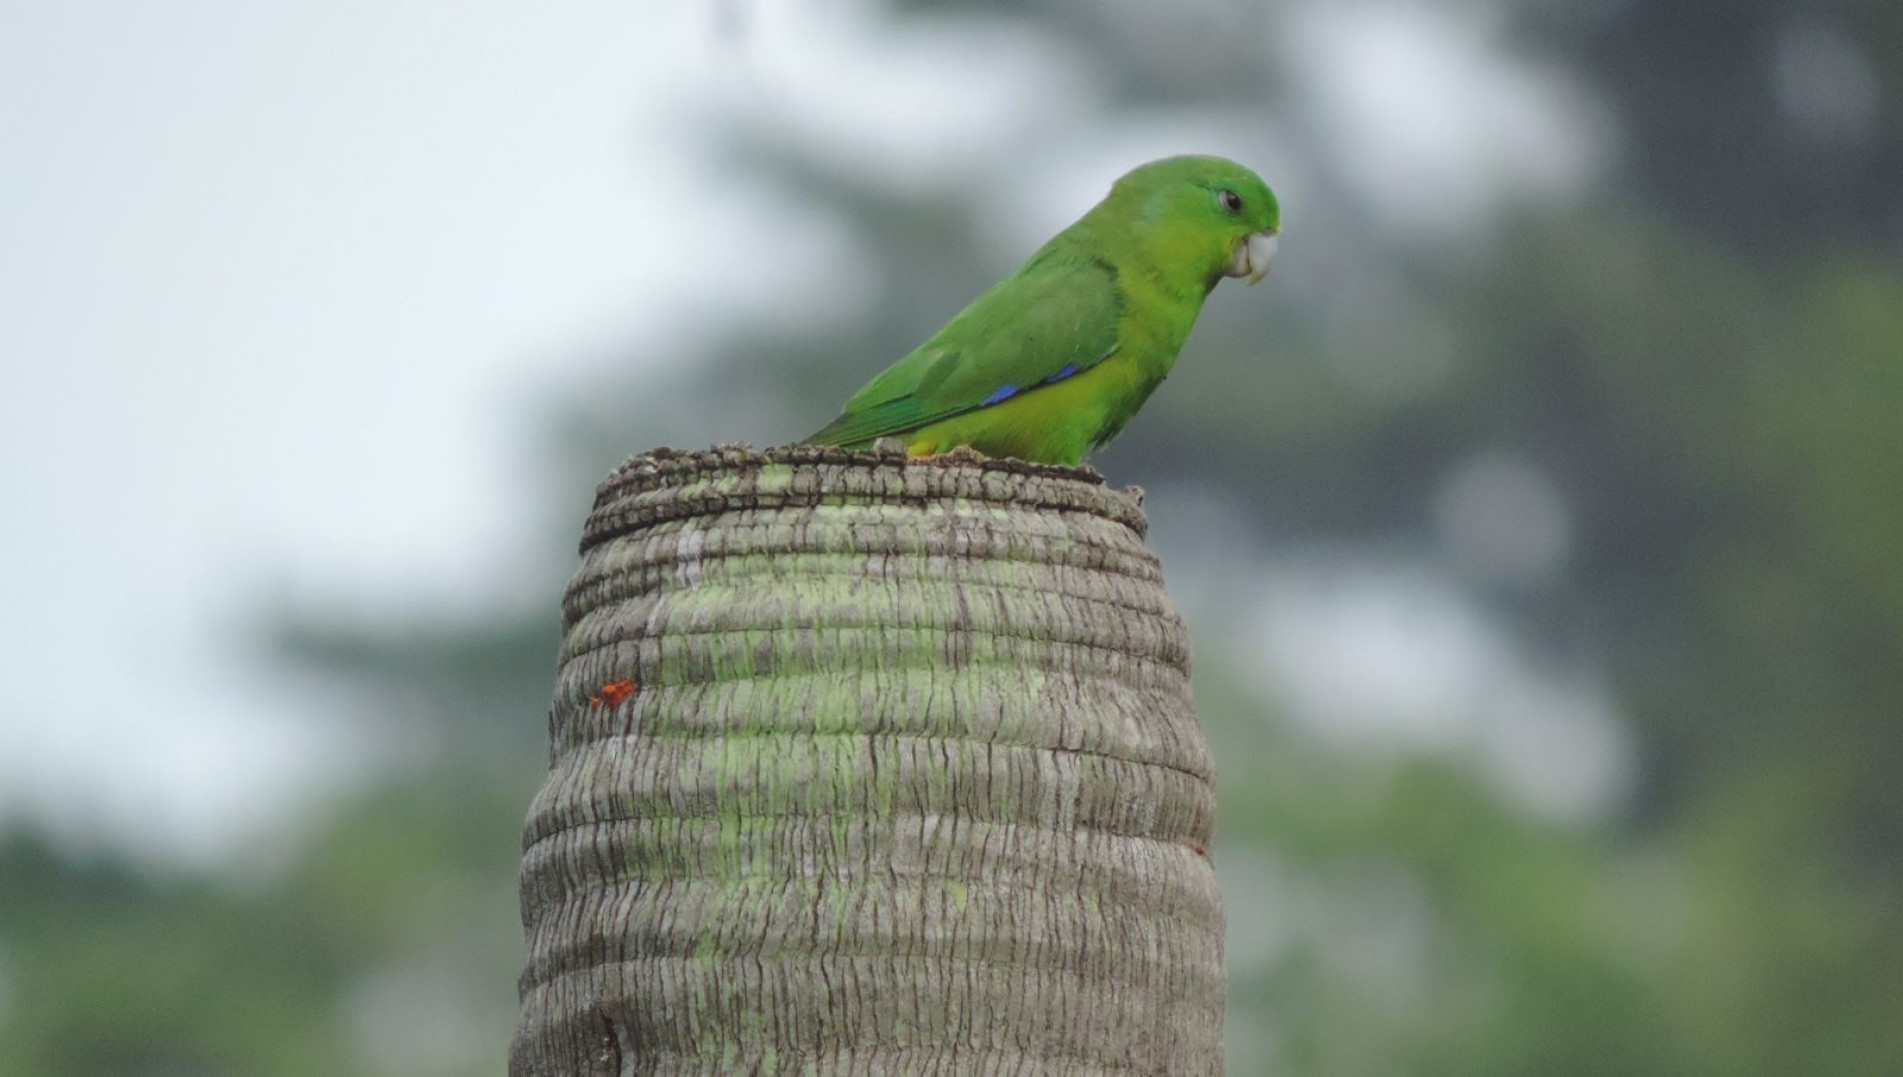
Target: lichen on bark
909,782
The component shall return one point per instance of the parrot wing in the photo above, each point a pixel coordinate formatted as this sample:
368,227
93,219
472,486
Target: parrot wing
1054,318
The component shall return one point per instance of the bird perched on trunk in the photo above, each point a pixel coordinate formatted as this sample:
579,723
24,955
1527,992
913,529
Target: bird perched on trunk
1052,361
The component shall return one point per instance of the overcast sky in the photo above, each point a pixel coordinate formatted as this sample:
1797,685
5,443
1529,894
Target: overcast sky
276,281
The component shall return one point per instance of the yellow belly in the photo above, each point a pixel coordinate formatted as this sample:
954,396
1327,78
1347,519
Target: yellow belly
1051,424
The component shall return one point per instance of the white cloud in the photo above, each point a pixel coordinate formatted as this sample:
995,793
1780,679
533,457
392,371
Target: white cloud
1432,118
926,104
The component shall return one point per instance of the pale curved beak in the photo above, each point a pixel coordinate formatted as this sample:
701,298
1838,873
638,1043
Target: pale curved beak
1252,257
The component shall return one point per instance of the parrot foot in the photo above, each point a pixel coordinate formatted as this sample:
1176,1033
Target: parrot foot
962,454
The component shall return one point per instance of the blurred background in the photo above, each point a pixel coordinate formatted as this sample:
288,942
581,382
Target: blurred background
1539,518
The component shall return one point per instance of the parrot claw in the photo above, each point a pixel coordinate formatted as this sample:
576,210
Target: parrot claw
962,454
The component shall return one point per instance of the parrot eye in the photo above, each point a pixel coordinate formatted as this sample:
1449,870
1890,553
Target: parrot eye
1231,201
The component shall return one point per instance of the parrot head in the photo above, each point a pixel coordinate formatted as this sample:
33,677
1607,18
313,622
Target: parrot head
1204,215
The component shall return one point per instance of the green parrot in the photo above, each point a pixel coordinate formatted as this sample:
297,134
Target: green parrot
1052,361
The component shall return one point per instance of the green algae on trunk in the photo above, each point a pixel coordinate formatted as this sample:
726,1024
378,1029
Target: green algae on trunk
909,781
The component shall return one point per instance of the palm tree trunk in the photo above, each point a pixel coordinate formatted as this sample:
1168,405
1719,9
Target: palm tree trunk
861,766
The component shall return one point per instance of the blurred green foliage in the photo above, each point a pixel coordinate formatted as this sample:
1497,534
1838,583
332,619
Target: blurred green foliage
1705,355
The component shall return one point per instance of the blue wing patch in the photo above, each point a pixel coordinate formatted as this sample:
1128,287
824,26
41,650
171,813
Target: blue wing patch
1006,392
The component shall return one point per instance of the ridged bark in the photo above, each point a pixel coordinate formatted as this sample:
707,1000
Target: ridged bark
909,781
